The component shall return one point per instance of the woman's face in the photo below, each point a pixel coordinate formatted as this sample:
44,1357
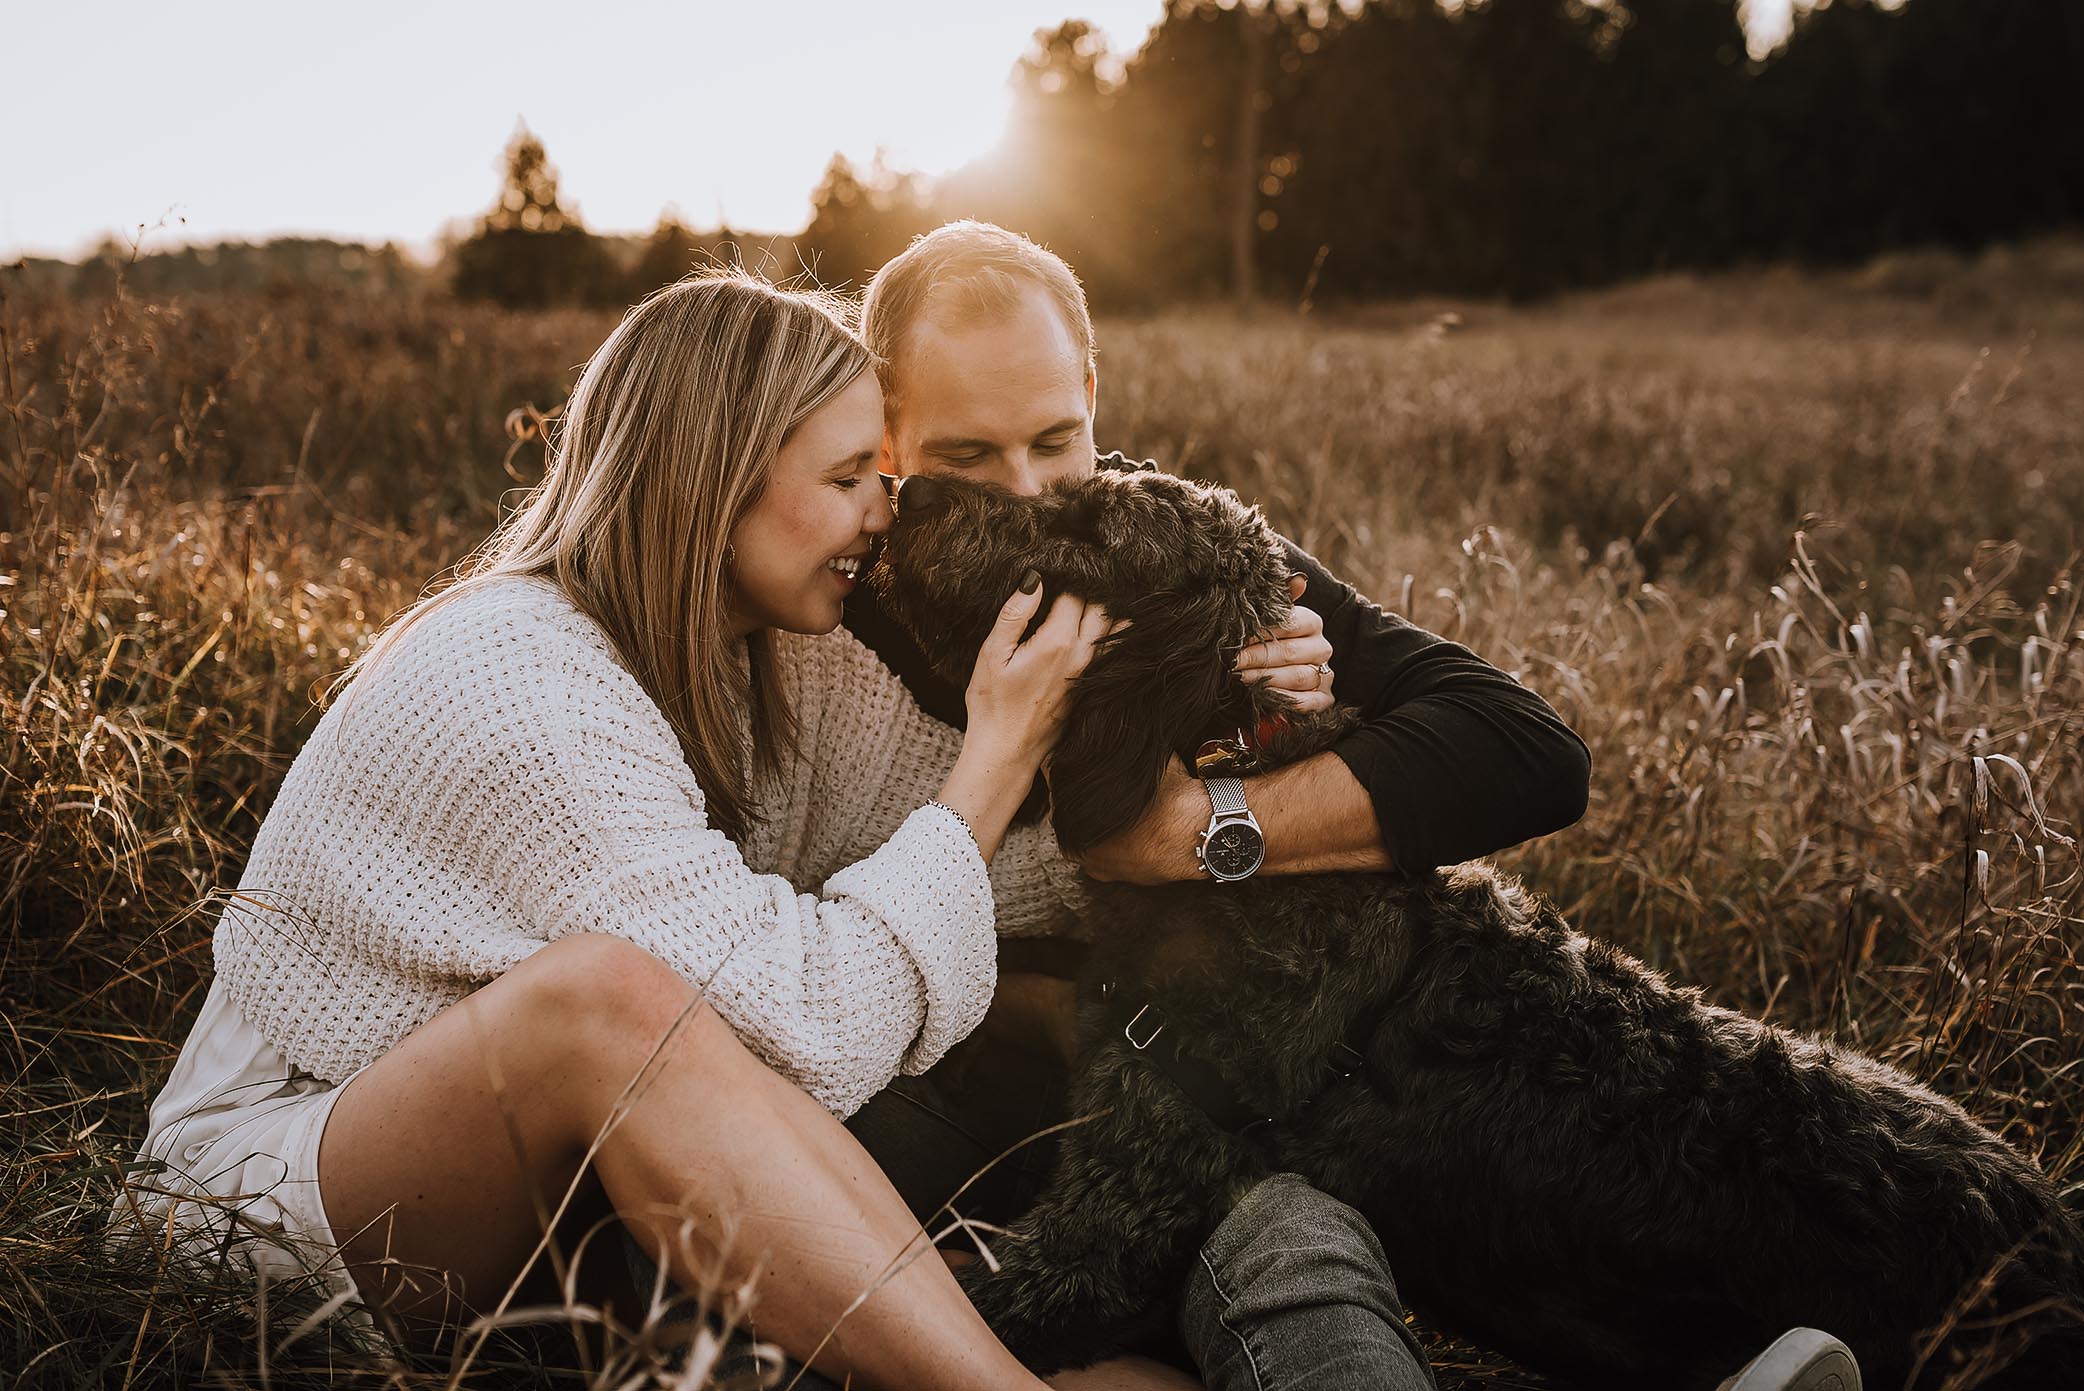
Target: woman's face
801,546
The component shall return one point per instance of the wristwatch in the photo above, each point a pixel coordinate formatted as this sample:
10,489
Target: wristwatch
1232,847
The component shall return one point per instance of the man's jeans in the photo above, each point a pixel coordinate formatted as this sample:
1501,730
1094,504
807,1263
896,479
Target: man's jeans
1291,1290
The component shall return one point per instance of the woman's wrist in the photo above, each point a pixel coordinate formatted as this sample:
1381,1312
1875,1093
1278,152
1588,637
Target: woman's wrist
985,788
1001,741
957,815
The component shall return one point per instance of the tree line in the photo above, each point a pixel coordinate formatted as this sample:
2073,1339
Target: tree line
1506,146
1314,149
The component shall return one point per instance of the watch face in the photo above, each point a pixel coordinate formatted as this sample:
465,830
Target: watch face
1233,851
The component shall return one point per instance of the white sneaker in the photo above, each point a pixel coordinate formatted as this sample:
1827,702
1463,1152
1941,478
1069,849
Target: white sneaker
1801,1359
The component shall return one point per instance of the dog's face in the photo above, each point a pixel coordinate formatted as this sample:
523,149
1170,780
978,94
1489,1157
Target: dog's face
1196,571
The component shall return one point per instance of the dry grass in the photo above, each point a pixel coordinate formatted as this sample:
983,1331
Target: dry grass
1794,553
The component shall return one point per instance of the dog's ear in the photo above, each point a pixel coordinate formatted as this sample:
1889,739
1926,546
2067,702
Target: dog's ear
1079,518
1141,698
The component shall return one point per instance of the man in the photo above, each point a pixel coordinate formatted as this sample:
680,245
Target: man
989,370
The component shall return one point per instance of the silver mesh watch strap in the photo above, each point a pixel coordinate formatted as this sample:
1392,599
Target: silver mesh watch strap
1226,796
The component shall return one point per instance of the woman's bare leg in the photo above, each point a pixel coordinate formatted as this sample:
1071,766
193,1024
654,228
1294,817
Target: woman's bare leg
1125,1374
442,1153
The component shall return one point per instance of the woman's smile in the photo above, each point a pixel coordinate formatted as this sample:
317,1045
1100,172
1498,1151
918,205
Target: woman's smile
822,491
848,567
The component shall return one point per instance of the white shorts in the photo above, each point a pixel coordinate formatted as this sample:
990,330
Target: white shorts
242,1184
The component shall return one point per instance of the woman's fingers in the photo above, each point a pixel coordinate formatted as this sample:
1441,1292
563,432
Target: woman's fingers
1013,619
1068,637
1020,690
1093,625
1059,632
1059,646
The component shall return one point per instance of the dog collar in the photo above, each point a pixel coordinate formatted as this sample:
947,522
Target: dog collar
1240,751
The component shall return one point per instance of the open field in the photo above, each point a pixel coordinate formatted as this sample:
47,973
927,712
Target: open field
1796,553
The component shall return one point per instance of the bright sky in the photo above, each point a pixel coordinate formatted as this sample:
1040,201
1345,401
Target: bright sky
1767,22
385,119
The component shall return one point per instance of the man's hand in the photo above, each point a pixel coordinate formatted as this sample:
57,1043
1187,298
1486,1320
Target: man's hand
1295,658
1159,848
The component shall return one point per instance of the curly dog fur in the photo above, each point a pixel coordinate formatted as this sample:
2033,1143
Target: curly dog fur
1567,1158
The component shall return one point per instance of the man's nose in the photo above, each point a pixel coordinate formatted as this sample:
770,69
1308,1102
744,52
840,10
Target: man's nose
919,496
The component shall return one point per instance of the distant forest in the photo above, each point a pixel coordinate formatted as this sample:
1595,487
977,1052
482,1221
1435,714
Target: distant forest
1310,151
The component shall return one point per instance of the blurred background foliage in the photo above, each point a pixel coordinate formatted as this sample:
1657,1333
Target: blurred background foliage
1310,149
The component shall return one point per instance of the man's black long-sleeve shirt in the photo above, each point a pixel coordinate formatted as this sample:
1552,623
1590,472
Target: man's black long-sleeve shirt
1458,758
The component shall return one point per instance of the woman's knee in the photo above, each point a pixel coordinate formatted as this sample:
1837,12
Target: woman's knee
605,995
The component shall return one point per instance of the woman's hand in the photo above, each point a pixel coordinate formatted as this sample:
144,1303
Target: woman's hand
1019,692
1018,696
1295,658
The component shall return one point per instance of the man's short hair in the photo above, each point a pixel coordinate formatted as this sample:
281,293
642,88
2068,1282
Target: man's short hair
973,269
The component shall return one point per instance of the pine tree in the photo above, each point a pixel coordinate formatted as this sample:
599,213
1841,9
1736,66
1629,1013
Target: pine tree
530,249
861,219
670,252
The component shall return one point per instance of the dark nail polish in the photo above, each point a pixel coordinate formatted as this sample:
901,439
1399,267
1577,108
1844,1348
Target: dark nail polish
1030,580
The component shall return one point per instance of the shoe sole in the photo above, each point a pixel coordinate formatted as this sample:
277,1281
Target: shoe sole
1801,1360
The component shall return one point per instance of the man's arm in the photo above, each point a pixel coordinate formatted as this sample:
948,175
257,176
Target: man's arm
1316,816
1457,758
1454,759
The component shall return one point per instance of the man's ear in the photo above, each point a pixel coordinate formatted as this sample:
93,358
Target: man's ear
1092,389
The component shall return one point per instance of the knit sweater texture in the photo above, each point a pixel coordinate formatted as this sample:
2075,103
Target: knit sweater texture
500,780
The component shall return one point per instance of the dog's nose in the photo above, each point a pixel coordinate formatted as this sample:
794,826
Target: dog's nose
918,496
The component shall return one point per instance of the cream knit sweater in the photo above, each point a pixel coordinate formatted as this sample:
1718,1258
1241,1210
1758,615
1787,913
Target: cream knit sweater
500,780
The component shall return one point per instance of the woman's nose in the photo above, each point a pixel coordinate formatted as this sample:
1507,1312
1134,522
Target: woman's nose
877,515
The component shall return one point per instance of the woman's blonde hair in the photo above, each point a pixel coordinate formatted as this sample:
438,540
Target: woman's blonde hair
666,443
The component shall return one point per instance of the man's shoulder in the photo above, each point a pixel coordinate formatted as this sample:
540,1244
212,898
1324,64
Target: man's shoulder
1325,586
1114,461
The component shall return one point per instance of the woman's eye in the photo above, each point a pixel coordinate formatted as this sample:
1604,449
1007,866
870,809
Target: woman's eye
850,481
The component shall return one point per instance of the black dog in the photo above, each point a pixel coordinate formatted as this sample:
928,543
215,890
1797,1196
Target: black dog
1566,1158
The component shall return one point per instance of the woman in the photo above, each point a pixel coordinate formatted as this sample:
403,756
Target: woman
546,841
